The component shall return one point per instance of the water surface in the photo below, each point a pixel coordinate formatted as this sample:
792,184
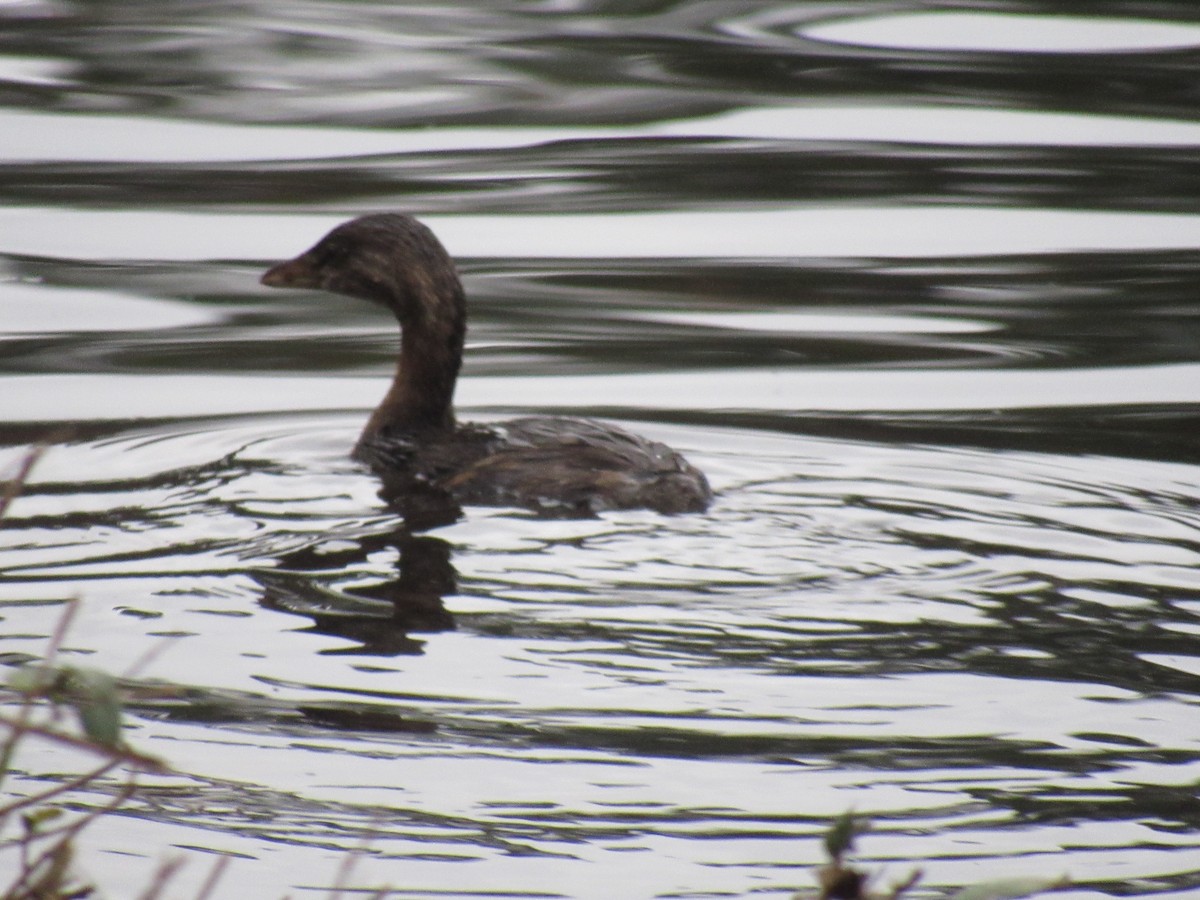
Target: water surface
914,285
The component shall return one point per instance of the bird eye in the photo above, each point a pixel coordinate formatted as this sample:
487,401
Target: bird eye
332,253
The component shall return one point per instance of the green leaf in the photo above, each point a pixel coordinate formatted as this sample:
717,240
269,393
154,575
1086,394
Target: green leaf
101,722
97,702
33,678
839,839
1011,888
34,819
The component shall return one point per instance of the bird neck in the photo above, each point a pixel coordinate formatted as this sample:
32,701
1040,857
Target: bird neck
421,398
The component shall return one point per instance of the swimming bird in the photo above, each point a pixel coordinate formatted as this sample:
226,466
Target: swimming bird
554,465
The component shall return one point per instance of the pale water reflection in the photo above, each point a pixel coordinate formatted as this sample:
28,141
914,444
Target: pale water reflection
39,137
766,234
925,317
1007,32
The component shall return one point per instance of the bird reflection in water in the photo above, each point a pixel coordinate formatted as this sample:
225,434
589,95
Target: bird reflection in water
379,617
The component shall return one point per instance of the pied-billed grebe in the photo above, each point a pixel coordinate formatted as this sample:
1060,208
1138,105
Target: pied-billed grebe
556,466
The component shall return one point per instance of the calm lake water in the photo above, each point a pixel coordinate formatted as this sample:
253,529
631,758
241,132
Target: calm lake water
916,284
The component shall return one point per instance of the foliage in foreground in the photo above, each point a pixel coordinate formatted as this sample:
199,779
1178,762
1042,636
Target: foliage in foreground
38,833
838,880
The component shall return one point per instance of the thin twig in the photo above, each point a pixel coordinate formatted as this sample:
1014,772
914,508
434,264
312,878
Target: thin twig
901,886
132,758
18,727
62,838
16,484
152,653
350,860
214,875
60,631
65,787
166,871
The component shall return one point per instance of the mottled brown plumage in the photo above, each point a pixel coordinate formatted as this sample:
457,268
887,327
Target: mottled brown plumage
556,466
